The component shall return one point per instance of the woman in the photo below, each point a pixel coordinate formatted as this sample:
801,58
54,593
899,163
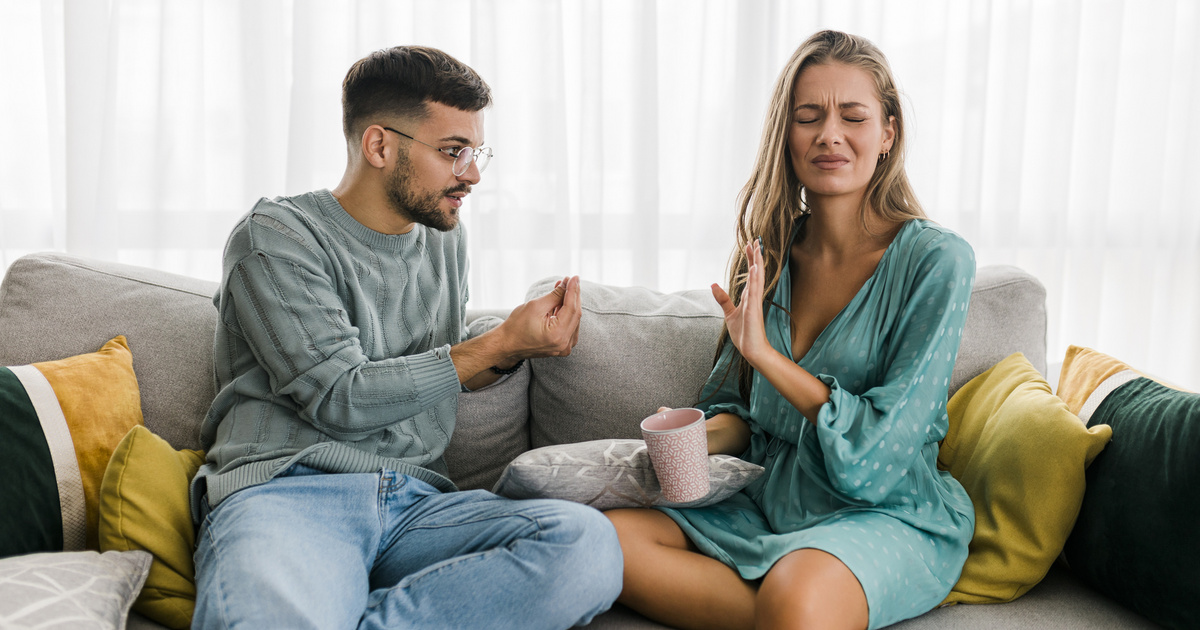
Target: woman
832,373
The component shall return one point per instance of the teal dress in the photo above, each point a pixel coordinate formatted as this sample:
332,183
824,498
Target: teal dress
862,484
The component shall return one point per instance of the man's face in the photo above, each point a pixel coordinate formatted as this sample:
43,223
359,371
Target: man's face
423,187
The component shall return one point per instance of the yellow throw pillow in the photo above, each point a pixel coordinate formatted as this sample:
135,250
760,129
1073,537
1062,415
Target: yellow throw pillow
144,505
1021,455
59,422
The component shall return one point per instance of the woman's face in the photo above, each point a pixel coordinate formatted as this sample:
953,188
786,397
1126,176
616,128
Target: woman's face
837,132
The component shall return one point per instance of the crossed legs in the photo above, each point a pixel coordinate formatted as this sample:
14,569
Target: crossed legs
668,580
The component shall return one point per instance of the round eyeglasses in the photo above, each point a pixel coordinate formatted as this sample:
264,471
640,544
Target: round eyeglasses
463,156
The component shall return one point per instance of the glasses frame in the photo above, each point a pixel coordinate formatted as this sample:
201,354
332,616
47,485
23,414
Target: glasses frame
486,152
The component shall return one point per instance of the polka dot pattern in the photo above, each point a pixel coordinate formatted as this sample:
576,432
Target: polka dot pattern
862,483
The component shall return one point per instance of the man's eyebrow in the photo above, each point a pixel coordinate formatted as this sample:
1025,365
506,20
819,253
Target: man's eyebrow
458,139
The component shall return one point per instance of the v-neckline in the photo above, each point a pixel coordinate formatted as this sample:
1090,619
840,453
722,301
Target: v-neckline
858,295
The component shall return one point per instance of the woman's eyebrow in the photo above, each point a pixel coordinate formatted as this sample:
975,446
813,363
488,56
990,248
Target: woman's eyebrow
850,105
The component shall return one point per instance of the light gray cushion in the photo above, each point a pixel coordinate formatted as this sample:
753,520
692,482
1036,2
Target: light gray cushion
608,474
81,589
1007,314
55,305
638,350
492,424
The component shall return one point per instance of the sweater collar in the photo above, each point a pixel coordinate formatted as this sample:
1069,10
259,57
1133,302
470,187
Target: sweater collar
334,211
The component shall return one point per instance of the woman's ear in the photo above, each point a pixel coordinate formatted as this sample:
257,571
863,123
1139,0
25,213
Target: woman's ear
889,134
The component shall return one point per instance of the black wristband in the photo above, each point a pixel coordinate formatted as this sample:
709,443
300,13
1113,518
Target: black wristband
510,370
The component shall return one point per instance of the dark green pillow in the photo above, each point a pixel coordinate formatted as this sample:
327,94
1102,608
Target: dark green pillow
1137,538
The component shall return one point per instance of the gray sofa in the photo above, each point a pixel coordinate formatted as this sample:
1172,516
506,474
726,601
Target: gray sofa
637,350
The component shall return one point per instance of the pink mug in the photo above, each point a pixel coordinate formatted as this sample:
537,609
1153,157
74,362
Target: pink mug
678,445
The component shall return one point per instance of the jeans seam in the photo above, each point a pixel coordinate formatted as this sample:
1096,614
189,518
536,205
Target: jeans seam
537,524
223,606
409,580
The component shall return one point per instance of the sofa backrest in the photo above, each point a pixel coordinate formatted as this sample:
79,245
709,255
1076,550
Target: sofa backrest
53,306
638,349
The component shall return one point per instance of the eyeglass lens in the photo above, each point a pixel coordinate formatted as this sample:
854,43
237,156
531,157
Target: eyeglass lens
466,155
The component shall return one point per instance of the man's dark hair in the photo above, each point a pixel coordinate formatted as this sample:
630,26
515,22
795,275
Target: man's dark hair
398,81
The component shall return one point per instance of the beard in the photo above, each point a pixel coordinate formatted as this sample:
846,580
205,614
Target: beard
423,208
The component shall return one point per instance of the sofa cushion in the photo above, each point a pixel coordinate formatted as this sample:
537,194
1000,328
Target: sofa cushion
59,423
608,474
144,505
1020,454
638,350
1135,539
1007,314
58,305
83,589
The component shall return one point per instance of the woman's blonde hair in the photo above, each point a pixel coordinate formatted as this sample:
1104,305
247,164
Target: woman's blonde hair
773,199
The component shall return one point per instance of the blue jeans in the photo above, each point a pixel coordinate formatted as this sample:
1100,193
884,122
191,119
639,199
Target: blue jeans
314,550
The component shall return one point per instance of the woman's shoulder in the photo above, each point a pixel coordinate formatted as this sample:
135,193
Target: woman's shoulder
925,239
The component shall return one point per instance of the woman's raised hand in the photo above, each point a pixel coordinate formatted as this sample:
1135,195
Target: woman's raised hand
745,320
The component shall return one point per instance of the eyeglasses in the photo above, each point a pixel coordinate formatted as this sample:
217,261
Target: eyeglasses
463,156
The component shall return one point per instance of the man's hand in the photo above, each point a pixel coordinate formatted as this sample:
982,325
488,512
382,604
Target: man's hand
547,326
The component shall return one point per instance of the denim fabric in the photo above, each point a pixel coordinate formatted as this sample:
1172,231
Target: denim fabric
315,550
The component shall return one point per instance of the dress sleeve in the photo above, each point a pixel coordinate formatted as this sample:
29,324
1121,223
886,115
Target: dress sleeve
282,301
870,441
720,392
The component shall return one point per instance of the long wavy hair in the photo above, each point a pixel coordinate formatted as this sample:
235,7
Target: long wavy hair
773,199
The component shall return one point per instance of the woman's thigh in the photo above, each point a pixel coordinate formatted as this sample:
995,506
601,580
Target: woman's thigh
668,580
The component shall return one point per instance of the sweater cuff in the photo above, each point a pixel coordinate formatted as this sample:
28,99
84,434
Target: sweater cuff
434,376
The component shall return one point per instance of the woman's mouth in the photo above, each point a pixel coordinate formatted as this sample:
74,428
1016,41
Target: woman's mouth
830,162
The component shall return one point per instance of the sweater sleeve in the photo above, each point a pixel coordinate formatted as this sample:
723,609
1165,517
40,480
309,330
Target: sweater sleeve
870,441
281,299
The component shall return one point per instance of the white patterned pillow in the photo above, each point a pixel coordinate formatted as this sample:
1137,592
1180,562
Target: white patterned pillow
81,589
609,474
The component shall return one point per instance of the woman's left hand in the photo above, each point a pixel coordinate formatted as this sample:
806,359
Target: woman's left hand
745,320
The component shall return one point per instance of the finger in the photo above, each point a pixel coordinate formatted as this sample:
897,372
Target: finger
662,409
722,299
572,306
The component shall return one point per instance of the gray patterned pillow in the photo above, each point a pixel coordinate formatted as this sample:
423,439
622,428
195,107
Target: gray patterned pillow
80,589
608,474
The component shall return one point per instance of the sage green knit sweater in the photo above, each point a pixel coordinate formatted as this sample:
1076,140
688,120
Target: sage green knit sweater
332,347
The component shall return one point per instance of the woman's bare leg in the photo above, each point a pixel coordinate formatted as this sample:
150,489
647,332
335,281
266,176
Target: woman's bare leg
667,580
810,588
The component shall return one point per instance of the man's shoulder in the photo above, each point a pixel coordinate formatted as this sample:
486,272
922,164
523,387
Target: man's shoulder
275,226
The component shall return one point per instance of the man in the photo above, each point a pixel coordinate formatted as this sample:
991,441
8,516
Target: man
341,348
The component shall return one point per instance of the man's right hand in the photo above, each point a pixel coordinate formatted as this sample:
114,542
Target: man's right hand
547,326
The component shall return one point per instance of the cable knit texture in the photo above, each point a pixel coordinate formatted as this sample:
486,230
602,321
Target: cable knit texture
332,347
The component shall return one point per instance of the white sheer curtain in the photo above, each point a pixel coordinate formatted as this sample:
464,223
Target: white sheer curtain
1059,136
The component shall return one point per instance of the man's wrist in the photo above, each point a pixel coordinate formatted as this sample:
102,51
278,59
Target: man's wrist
511,368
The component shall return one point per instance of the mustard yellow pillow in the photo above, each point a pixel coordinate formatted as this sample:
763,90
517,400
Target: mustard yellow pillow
1021,455
144,505
59,422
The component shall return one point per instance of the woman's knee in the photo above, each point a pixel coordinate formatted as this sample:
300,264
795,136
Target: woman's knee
810,588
